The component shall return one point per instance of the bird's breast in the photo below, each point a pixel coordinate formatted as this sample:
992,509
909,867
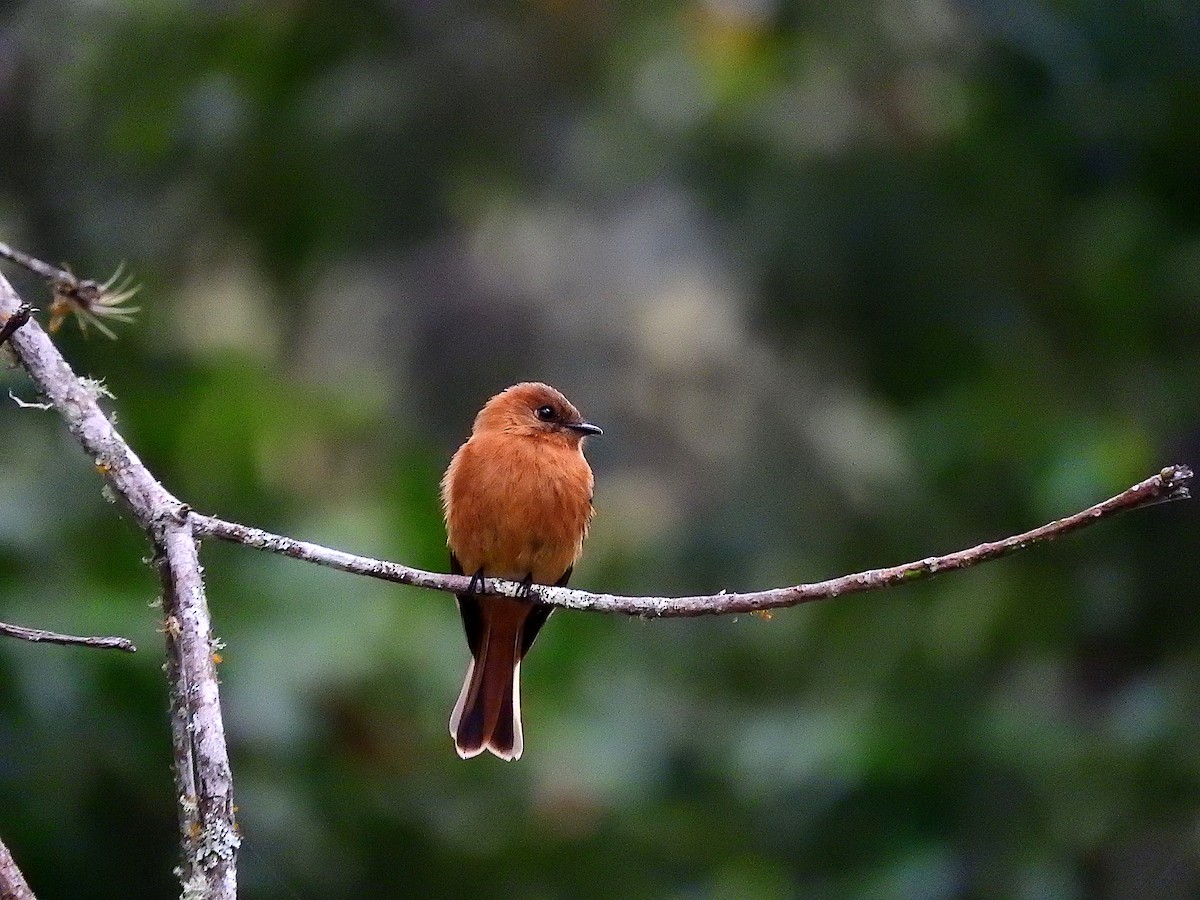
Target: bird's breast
517,507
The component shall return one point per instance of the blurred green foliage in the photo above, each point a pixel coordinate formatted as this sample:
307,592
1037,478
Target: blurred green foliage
846,284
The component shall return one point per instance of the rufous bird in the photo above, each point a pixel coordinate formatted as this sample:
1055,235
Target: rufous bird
518,502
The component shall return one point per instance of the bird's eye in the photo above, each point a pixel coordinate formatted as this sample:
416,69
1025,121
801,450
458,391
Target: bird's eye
545,413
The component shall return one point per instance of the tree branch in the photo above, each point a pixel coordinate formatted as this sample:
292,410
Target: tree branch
47,271
38,636
12,883
206,813
89,301
1169,484
202,774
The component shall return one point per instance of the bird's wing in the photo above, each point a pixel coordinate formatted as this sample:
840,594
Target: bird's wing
538,616
468,609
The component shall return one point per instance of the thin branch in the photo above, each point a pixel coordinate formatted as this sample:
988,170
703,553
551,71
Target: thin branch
202,774
52,273
13,885
1169,484
89,301
25,404
38,636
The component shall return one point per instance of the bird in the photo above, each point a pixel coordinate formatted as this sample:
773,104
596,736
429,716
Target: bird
517,498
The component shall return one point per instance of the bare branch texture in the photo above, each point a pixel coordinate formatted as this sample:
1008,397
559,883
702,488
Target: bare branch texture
38,636
12,883
205,781
1169,484
47,271
202,773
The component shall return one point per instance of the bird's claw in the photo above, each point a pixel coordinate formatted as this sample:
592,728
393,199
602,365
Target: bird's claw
478,584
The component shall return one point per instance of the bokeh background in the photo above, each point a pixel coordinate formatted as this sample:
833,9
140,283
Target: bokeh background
846,284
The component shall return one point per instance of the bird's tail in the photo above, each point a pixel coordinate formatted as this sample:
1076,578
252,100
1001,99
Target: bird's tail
487,715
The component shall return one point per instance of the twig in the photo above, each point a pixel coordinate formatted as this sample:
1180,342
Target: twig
1169,484
13,885
26,404
19,317
202,771
35,265
38,636
89,301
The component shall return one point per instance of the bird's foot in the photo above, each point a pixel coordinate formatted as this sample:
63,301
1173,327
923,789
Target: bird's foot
526,585
478,585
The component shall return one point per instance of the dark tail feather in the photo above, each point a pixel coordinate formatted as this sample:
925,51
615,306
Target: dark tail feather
468,739
488,708
507,741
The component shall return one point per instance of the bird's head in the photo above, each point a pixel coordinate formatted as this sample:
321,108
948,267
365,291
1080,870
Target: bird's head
536,410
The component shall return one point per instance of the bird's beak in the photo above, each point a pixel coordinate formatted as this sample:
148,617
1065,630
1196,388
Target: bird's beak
585,428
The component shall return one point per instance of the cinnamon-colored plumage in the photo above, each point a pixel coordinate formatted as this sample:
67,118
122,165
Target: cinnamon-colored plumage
518,501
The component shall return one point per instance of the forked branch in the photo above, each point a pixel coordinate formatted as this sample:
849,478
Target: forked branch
209,833
204,783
